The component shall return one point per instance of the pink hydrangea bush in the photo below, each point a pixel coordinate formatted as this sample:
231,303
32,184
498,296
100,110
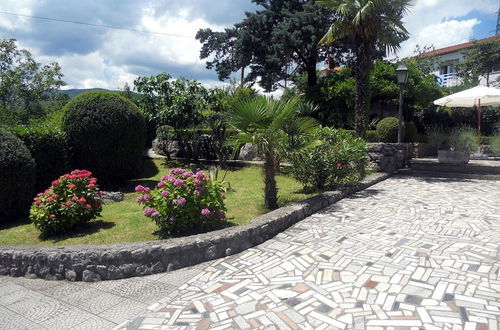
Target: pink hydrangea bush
184,203
72,200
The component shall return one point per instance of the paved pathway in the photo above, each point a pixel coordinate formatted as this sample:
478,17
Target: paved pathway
40,304
408,252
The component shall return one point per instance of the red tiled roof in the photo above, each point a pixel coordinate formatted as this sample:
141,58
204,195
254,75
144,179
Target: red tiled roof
455,48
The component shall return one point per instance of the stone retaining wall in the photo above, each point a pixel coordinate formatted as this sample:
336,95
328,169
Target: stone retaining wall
388,157
110,262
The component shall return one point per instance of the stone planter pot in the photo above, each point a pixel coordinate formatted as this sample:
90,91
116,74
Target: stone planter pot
453,157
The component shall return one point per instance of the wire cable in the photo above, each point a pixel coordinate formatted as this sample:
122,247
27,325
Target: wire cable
97,25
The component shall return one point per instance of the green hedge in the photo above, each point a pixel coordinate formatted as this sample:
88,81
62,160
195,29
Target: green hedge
107,134
17,177
50,149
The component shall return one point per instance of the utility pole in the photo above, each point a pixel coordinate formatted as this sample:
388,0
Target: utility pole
498,19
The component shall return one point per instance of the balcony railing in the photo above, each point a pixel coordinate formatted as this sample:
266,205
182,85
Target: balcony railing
449,80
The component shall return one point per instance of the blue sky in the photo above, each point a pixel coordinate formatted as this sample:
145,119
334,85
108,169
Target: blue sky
109,58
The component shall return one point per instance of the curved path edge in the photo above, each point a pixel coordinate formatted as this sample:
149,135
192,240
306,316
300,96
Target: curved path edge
114,261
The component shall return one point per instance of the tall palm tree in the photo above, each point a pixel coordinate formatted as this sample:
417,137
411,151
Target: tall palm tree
262,121
371,27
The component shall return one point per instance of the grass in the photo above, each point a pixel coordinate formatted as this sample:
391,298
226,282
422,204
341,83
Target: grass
124,222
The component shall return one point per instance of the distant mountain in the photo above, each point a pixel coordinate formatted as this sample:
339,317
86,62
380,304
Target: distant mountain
75,91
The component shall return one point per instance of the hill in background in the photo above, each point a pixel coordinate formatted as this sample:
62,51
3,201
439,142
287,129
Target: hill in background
75,91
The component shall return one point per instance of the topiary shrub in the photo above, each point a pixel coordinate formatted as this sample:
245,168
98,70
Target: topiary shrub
17,177
49,147
387,130
371,136
410,132
107,134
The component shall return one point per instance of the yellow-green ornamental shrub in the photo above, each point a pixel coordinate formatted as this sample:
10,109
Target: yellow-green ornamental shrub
72,200
387,130
107,134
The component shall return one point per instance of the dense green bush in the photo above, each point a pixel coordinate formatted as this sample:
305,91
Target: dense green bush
371,136
387,130
495,144
339,159
455,139
50,149
71,201
107,134
410,132
17,177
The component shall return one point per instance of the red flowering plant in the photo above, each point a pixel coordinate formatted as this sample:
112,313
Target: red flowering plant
72,200
184,203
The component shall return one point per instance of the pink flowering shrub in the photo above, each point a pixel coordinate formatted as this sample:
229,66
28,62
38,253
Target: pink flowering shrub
184,203
73,199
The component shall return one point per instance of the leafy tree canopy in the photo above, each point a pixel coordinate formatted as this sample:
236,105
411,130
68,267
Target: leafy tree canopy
281,38
177,103
480,60
25,84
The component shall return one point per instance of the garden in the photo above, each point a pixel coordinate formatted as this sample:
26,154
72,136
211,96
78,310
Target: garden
61,158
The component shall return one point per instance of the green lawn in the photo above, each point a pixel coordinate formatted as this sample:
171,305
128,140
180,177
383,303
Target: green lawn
124,222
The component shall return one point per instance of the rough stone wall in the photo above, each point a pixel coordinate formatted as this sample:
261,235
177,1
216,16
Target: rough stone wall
388,157
110,262
421,150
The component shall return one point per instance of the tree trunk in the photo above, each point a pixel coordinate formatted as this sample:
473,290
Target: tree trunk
361,104
270,189
312,78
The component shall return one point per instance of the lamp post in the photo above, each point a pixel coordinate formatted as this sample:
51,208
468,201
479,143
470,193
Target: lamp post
402,74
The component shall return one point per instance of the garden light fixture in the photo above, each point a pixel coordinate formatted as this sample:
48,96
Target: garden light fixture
402,74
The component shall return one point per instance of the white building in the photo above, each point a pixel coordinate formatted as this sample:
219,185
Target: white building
447,59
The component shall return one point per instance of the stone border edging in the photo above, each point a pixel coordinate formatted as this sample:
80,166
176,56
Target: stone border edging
114,261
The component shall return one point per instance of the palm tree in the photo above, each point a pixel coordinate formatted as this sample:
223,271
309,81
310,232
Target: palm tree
262,121
372,27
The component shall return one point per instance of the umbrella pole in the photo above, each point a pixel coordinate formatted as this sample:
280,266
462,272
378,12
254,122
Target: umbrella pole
479,117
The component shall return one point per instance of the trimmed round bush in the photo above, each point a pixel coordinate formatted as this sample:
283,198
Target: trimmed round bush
107,134
387,130
17,177
410,132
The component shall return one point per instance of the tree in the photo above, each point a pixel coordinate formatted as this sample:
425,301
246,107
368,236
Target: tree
262,122
480,60
280,38
177,103
25,83
370,26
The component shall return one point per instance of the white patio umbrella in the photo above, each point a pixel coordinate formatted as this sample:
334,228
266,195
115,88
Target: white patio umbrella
476,96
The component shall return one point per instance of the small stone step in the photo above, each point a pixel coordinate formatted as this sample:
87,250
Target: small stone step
451,175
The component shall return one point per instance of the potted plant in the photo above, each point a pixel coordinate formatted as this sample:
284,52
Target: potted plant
454,145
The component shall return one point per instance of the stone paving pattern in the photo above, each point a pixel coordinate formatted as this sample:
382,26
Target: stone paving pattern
42,304
408,253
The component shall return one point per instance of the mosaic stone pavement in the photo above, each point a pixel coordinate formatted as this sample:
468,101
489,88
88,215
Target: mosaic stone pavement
408,253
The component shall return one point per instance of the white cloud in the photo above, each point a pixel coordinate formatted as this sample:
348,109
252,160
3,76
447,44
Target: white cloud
440,35
438,23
